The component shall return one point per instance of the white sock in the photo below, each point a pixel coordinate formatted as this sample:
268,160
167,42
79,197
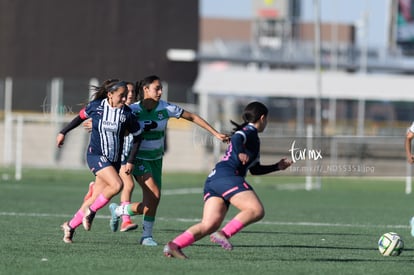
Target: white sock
121,210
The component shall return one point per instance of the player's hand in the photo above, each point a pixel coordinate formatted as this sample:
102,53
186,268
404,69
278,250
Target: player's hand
87,125
284,163
129,167
60,140
410,159
244,158
223,137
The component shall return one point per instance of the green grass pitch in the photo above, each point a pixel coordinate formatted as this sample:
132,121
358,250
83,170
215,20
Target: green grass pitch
333,230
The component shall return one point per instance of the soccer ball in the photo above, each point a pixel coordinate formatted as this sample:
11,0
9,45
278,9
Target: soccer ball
390,244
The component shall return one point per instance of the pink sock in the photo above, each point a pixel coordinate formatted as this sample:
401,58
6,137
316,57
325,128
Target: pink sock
184,240
232,227
100,202
125,218
76,220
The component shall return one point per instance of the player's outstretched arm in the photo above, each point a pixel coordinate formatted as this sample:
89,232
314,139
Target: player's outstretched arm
204,124
73,124
259,169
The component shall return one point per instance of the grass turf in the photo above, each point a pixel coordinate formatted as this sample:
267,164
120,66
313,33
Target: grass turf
329,231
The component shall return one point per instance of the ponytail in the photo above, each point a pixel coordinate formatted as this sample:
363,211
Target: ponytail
109,85
238,127
251,114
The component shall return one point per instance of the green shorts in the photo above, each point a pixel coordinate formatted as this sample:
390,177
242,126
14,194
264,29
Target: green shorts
153,167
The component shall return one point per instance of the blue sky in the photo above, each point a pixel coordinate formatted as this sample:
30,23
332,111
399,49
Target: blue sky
341,11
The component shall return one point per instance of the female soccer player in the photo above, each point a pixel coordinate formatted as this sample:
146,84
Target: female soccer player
127,179
111,118
227,185
410,159
153,115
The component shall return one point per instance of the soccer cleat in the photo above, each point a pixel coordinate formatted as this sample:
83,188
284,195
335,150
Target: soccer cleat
128,226
88,219
90,191
172,250
68,232
148,241
219,238
412,226
114,221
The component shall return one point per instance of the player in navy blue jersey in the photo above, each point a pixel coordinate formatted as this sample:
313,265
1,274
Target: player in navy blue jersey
111,121
127,179
226,184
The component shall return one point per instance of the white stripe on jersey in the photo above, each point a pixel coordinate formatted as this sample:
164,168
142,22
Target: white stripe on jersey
109,131
243,135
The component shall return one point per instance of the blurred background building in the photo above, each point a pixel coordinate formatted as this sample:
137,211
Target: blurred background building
78,40
301,57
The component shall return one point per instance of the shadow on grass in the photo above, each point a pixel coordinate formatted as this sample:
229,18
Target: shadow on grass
169,230
407,258
303,233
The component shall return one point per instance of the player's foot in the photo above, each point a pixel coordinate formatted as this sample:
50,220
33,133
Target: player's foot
114,221
68,232
172,250
219,238
128,226
90,191
88,219
412,226
148,241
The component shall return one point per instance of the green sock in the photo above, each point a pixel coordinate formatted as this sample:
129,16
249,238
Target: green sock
129,211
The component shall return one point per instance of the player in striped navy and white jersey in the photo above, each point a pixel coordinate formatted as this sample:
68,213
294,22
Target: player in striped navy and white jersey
127,179
111,121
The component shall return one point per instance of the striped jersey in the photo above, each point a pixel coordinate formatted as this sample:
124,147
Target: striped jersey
108,128
128,141
153,124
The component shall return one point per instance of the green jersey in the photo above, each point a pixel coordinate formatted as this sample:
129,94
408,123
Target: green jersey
154,123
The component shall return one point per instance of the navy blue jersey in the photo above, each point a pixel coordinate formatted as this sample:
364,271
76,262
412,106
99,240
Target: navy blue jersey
109,126
243,141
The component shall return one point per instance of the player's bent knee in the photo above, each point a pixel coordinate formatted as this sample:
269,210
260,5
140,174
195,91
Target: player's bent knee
258,214
117,187
211,228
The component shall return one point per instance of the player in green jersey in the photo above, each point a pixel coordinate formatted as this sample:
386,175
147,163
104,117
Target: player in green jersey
153,114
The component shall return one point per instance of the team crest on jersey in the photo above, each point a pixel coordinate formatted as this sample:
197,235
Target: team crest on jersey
122,118
160,115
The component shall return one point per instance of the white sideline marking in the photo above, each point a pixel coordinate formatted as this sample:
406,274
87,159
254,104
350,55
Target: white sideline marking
313,224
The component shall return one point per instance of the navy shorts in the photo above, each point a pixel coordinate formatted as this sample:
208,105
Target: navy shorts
225,187
97,162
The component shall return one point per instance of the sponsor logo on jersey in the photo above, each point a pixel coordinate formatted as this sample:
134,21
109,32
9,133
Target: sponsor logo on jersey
110,126
150,124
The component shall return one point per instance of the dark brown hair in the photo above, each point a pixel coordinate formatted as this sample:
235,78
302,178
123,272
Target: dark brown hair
109,85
